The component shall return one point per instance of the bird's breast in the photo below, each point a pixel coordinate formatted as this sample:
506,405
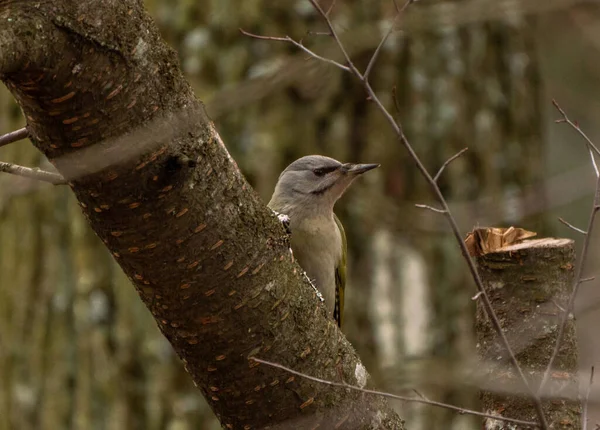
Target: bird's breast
317,246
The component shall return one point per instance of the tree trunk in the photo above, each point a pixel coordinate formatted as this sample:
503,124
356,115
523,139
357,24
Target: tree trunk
106,103
529,285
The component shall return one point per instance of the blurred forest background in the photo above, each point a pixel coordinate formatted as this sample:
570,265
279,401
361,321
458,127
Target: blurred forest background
78,349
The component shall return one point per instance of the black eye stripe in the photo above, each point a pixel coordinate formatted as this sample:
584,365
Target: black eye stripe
324,170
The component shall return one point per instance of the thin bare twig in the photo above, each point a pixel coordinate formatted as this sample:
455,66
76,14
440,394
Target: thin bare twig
337,39
450,160
583,256
28,172
385,38
586,401
419,394
297,44
571,226
559,307
476,296
331,6
431,208
445,210
317,33
420,399
395,98
594,162
575,127
13,136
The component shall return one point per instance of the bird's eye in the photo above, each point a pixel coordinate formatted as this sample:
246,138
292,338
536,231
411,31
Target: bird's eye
320,171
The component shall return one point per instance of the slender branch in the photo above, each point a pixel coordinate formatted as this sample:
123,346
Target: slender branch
395,98
560,308
431,208
450,160
318,33
13,136
337,39
297,44
583,256
419,394
594,162
385,38
331,6
575,127
571,226
586,401
420,399
28,172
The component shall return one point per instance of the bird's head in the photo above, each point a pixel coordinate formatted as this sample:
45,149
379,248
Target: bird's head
315,180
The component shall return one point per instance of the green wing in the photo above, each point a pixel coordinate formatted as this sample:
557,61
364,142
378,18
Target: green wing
340,277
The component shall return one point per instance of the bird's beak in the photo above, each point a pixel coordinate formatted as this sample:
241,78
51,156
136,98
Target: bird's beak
358,169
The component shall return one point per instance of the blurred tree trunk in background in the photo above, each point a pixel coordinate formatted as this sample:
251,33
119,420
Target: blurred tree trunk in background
87,354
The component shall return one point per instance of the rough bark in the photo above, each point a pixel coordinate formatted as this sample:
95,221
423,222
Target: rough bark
529,284
106,103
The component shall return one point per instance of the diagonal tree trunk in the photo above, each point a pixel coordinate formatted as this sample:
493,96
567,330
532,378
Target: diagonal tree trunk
106,103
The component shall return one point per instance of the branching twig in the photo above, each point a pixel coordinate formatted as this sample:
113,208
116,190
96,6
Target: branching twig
450,160
420,399
445,210
28,172
594,162
297,44
571,226
385,38
575,127
13,136
331,6
431,208
395,98
337,39
583,256
419,394
586,401
317,33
